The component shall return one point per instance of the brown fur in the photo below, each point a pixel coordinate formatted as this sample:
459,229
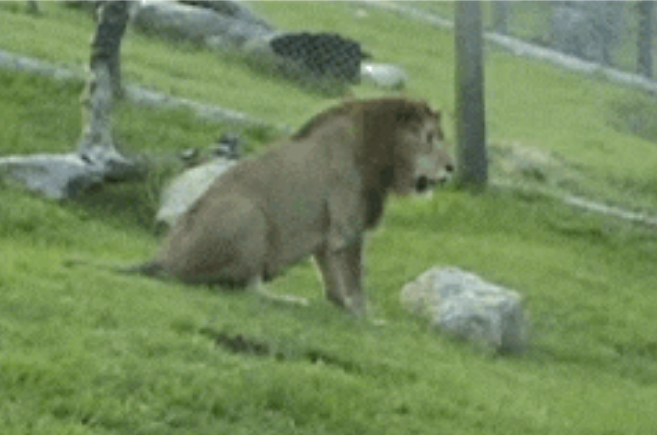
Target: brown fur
315,194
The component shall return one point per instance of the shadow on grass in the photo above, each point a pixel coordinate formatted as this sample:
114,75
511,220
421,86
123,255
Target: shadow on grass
122,205
242,344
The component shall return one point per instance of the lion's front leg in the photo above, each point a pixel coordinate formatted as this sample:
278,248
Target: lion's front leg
351,259
341,271
346,208
333,282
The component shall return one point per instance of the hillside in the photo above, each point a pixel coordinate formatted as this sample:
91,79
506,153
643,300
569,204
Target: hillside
86,351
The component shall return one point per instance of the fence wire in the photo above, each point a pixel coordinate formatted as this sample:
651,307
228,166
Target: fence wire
616,34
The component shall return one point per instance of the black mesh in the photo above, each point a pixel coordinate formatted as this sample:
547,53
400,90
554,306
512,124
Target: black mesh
325,55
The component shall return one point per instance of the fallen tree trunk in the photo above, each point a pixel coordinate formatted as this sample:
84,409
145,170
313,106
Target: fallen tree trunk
97,159
104,85
183,22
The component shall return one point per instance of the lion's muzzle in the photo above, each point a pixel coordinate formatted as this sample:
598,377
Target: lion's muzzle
423,183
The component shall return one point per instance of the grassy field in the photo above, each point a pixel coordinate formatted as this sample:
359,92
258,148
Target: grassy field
83,351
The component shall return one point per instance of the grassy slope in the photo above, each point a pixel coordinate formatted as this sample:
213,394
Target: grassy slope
85,351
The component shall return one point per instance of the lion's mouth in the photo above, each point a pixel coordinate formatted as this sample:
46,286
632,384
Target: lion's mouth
424,184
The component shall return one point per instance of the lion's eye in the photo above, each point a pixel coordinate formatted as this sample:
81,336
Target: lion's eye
430,137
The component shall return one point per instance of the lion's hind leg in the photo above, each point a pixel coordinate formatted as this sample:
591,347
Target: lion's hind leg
258,287
223,243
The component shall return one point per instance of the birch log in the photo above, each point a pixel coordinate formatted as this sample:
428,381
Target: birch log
97,159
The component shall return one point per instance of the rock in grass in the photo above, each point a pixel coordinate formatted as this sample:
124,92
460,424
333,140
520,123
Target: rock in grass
464,306
186,188
189,186
55,176
66,176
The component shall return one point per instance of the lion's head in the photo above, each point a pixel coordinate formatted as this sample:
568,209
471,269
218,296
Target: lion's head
405,138
421,157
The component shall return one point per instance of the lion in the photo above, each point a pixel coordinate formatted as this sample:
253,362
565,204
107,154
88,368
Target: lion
315,194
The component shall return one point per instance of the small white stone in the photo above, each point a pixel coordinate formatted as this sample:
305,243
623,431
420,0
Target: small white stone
384,75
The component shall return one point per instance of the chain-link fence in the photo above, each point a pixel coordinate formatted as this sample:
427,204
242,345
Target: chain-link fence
618,34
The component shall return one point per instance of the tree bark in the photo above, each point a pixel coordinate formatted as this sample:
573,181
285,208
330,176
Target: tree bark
112,20
472,166
64,176
645,11
96,144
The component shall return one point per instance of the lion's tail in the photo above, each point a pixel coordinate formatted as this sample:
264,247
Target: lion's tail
151,268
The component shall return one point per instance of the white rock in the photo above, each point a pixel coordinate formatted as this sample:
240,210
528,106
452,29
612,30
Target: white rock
463,305
384,75
189,186
56,176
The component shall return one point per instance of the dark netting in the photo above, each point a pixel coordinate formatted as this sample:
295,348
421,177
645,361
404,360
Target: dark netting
325,55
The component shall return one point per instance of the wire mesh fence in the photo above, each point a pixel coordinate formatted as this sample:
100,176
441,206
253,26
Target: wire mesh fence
612,33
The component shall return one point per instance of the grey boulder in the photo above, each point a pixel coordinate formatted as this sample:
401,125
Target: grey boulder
462,305
185,189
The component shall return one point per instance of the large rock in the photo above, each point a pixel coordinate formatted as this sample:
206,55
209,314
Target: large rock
189,186
186,22
186,188
463,305
66,176
55,176
237,10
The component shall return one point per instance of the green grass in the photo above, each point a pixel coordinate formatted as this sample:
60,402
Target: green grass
87,351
